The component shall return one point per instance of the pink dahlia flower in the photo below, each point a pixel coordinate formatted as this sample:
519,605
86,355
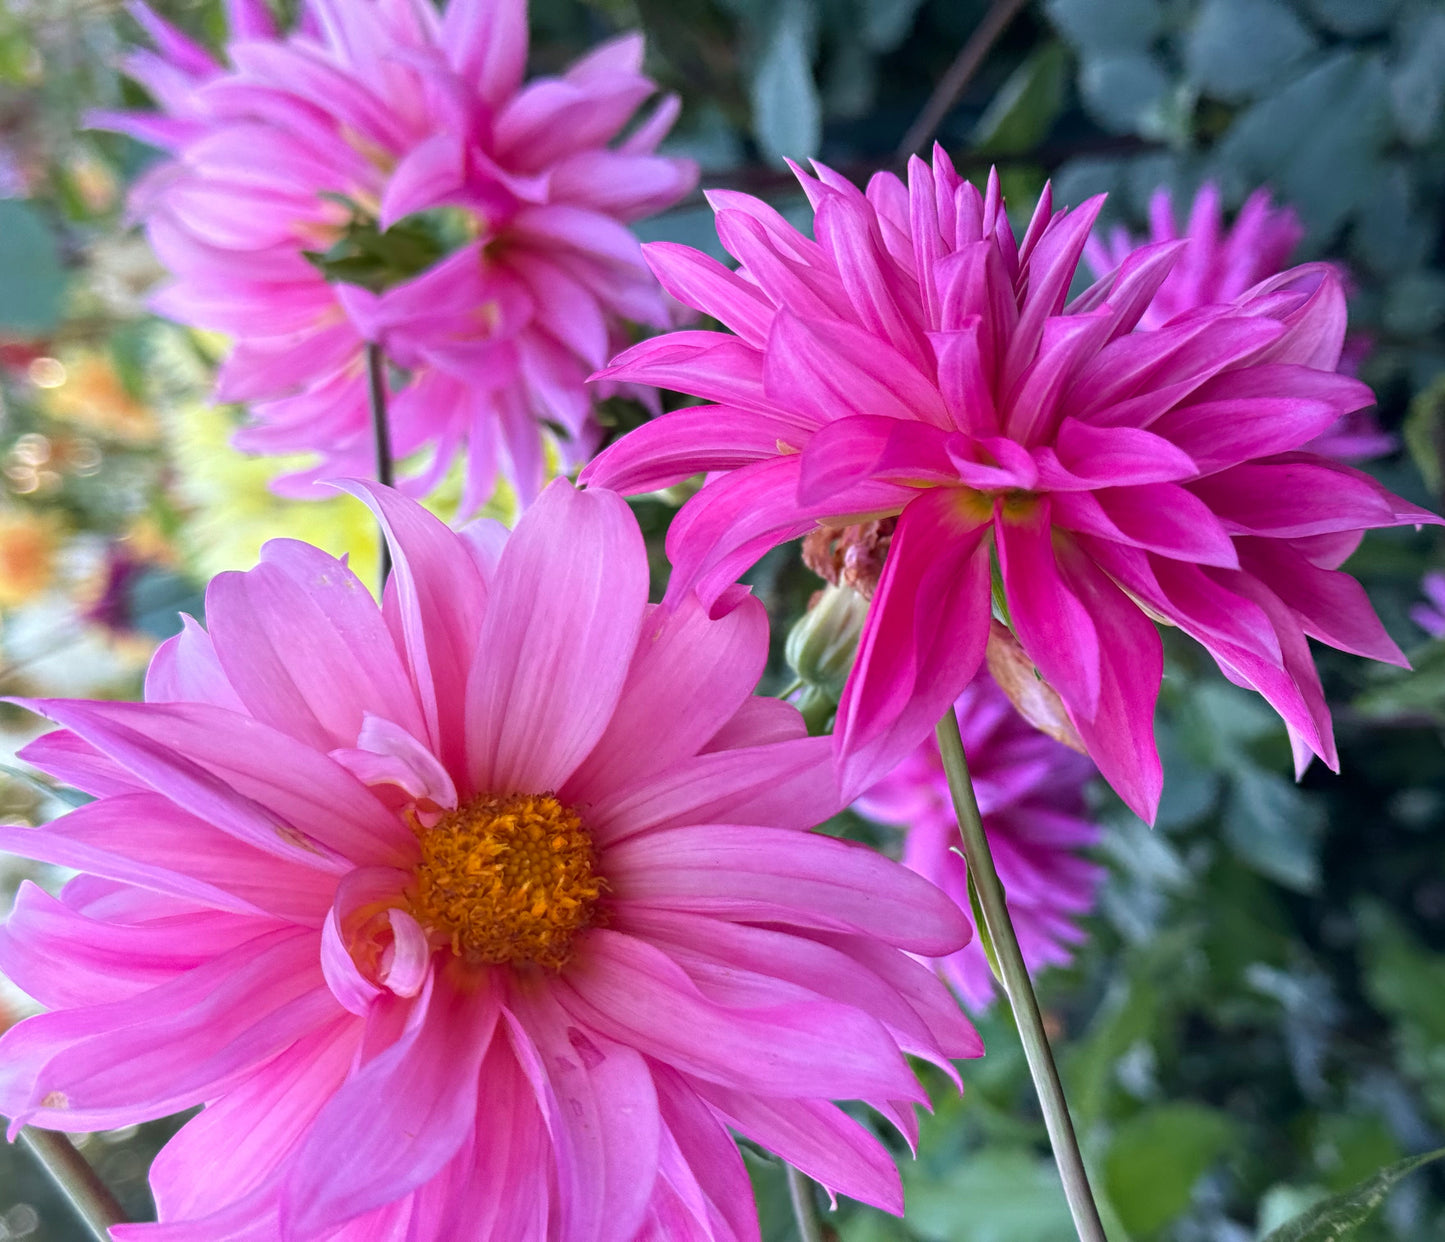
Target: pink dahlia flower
484,914
916,360
370,111
1219,264
1031,792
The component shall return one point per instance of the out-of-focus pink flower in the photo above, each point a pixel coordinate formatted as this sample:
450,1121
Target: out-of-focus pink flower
485,914
915,360
1220,264
369,112
1430,616
1031,792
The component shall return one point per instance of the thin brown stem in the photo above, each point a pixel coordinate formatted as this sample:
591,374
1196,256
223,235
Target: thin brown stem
958,75
68,1169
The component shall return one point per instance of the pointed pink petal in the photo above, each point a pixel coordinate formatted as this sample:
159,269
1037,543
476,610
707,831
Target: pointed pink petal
923,640
554,653
1052,625
818,1138
169,1048
442,595
1120,737
774,875
784,785
143,839
245,777
690,674
305,647
399,1118
603,1116
185,669
257,1124
635,994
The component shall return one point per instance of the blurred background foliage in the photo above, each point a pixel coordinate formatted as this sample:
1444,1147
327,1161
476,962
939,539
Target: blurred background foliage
1258,1018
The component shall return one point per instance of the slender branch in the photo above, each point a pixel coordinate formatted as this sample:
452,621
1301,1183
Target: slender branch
805,1207
88,1195
958,75
1016,984
381,433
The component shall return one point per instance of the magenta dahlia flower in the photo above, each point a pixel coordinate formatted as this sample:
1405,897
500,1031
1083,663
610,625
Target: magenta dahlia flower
369,112
484,914
915,361
1219,264
1031,792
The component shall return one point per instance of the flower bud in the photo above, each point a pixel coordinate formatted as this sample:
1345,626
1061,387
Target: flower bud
824,641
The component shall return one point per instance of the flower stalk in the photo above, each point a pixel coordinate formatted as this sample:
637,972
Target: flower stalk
1017,985
805,1206
381,434
68,1169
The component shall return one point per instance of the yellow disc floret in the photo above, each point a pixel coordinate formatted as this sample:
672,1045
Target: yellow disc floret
507,879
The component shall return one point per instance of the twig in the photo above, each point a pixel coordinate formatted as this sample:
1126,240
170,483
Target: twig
88,1195
959,74
1017,986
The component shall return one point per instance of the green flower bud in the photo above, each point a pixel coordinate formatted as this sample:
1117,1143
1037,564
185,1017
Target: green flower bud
824,641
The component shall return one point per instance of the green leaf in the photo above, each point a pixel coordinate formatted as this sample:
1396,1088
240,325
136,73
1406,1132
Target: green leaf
1340,1215
32,291
1239,47
992,1195
787,113
1101,26
1157,1156
1027,105
1274,827
1126,92
1425,432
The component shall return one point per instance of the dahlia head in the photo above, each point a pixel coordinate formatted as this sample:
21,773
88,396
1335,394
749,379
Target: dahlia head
1218,264
363,145
486,913
1030,792
914,359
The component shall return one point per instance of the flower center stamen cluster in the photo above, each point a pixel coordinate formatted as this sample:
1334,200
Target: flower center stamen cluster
508,879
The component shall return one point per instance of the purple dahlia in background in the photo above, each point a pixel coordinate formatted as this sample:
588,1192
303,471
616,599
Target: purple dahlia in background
1218,264
1030,791
301,149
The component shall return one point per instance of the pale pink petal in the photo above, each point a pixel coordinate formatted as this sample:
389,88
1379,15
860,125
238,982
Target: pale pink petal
399,1118
553,654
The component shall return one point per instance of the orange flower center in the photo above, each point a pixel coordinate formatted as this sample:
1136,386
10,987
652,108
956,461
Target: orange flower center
508,879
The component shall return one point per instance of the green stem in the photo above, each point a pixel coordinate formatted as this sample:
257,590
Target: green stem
381,436
88,1195
1016,983
805,1207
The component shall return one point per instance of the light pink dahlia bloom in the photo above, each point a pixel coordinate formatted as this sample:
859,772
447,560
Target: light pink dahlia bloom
372,110
915,360
1031,792
1218,264
484,914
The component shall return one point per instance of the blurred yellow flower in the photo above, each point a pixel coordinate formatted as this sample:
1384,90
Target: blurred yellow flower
231,510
